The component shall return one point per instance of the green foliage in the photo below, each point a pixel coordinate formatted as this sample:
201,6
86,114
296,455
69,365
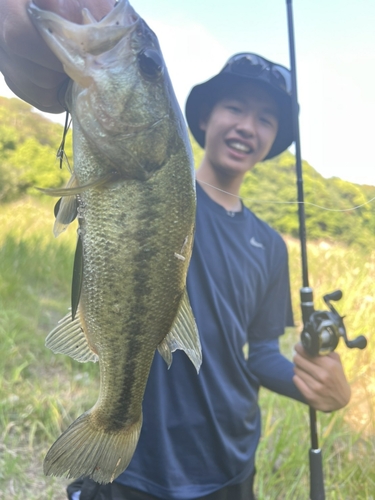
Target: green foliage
38,391
28,145
270,190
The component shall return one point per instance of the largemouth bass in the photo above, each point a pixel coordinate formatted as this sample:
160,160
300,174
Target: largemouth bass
134,192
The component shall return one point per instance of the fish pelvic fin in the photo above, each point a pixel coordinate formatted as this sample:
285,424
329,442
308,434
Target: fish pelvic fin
85,449
69,338
184,335
66,209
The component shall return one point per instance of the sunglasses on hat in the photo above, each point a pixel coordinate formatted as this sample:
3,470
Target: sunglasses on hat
252,65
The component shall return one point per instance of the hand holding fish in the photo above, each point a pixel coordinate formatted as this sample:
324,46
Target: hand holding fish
30,68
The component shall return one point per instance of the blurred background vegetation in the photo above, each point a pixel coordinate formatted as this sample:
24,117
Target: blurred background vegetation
28,142
41,393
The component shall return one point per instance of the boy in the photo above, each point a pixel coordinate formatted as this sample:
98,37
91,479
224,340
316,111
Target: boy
200,433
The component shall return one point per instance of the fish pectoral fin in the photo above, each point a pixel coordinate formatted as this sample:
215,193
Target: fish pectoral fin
68,337
79,188
65,209
184,335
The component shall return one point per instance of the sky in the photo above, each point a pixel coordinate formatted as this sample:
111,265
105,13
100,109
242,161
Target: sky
335,56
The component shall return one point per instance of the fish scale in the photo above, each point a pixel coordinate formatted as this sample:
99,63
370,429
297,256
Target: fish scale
133,190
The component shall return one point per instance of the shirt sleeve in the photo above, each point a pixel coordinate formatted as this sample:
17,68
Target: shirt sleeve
273,370
275,311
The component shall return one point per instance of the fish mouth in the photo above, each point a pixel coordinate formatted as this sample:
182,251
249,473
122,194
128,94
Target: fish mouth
92,37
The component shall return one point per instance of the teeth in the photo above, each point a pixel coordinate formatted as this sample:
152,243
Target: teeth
239,146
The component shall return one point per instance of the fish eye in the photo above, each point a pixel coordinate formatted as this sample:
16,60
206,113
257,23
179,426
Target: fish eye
150,62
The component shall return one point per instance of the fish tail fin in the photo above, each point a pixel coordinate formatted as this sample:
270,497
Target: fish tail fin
87,450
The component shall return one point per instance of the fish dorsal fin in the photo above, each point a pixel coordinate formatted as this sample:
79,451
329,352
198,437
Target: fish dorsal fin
77,276
68,337
184,335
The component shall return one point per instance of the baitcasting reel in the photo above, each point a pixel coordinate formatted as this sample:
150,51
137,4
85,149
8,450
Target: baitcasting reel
322,329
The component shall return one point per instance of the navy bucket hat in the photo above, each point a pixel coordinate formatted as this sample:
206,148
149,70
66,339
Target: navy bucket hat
274,78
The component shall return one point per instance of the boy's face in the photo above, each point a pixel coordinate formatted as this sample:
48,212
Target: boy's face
240,129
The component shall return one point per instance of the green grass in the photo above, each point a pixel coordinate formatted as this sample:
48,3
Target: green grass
40,393
347,437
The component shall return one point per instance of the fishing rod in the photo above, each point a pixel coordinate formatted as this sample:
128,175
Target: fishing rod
321,329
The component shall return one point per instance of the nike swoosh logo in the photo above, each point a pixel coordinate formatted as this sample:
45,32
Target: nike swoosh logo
256,243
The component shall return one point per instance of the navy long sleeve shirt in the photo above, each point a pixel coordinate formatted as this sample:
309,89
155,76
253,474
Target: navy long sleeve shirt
200,432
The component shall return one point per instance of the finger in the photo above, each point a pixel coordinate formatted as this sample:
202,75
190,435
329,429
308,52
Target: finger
305,390
301,351
17,68
334,356
313,399
18,37
310,380
323,399
43,100
315,393
50,101
310,367
35,85
326,379
319,377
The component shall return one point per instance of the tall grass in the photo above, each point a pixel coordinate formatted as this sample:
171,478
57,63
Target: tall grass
41,393
347,437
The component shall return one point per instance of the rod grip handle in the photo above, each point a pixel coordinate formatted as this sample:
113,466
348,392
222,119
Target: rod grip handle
316,475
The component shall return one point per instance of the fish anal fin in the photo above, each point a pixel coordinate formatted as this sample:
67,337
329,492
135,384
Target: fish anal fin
183,335
68,337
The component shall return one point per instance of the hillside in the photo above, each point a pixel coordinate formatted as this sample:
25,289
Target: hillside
329,202
29,142
28,146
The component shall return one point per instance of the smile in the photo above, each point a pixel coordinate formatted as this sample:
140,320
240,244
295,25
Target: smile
239,146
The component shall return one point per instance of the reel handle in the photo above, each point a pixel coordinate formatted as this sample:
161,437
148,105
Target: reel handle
358,343
322,329
336,295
